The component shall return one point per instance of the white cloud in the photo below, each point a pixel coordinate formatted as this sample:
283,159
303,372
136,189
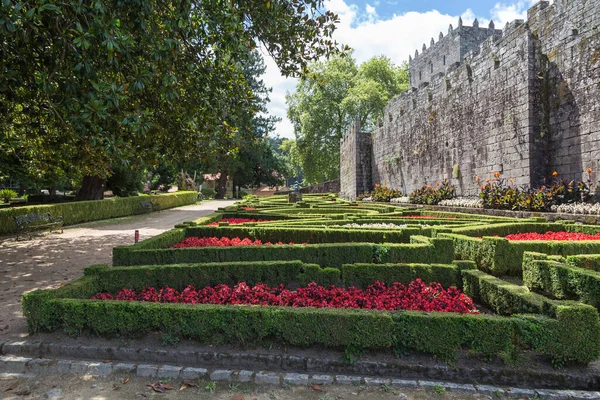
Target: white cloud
396,38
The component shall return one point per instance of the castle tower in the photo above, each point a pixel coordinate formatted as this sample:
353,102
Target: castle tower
449,50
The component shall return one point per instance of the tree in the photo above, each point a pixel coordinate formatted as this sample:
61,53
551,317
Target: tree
292,160
329,98
89,84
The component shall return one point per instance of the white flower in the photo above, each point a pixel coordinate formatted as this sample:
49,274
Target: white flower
578,208
462,202
401,200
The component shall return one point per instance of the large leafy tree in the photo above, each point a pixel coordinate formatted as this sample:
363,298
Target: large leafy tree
329,98
85,85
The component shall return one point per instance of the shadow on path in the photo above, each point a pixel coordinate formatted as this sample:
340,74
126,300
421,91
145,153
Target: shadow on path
50,260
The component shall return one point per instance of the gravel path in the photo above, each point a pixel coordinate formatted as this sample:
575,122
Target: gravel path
49,260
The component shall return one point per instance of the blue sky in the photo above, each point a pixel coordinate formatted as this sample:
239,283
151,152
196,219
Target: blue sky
394,28
387,8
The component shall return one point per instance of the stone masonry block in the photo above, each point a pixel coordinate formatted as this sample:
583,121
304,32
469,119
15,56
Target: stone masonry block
100,369
193,373
296,379
267,378
12,364
168,371
150,371
221,375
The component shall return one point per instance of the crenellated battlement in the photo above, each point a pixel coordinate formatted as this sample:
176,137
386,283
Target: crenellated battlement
448,50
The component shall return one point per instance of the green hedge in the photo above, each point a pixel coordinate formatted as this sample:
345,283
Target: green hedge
572,336
362,275
500,256
272,273
560,280
85,211
420,250
570,331
587,261
308,235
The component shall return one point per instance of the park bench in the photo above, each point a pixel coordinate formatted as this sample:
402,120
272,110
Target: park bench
149,206
35,222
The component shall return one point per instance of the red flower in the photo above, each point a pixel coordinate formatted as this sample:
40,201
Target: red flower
237,221
416,296
223,242
553,236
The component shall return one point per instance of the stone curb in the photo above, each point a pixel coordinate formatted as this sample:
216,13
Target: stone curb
125,357
23,366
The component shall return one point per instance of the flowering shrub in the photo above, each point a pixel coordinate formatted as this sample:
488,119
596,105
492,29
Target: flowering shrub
553,236
432,196
577,208
504,194
416,296
462,202
237,221
223,242
384,193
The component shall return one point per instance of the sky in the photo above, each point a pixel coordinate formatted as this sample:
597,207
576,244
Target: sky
394,28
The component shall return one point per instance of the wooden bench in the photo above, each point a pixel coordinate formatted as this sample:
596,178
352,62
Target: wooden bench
149,206
35,222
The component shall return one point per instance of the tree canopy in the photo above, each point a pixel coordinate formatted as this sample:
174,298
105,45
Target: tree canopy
85,85
329,98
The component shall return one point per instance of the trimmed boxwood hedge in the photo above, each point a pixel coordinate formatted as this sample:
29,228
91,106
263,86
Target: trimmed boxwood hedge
560,280
421,250
309,235
573,335
500,256
272,273
571,332
85,211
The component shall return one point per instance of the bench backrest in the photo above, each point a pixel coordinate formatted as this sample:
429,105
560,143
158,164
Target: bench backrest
32,219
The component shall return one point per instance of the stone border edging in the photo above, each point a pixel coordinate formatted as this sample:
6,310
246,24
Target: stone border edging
492,375
14,365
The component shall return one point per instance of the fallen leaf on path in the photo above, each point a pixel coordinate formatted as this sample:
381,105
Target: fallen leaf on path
187,384
157,387
106,361
316,387
238,397
125,380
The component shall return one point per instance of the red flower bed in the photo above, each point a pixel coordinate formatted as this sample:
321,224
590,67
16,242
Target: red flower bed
223,242
237,221
553,236
416,296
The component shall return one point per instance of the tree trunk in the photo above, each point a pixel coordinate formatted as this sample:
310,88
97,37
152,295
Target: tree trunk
92,188
222,186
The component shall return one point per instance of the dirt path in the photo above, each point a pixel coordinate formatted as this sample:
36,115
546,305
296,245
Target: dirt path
122,387
47,261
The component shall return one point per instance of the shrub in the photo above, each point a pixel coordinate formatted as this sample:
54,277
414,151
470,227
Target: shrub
384,193
208,192
433,195
500,193
7,194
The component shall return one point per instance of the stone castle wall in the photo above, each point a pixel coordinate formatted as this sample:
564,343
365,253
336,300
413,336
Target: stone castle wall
355,162
524,103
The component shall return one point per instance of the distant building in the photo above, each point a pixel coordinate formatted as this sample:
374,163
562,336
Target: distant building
211,181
